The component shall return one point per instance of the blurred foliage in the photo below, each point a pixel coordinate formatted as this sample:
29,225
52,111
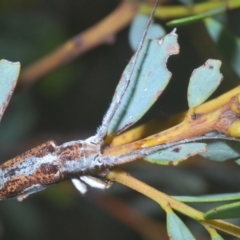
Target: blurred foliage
70,102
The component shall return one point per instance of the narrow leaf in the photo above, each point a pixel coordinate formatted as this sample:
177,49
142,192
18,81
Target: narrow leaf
176,154
196,18
148,81
231,210
9,72
177,230
209,198
203,82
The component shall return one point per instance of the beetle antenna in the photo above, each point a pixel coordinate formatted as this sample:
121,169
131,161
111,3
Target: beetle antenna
102,130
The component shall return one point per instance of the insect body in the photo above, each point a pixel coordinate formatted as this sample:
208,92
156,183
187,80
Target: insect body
48,164
29,172
81,161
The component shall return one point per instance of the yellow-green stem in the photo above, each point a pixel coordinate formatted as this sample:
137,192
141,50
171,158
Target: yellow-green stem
166,201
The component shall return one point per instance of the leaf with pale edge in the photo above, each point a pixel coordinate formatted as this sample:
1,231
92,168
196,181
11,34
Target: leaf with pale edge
149,79
203,82
176,154
209,198
227,211
9,72
197,17
221,151
176,229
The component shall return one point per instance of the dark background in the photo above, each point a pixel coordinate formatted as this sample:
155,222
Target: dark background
69,104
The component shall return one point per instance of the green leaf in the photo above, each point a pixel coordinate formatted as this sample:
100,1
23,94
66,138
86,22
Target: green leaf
221,151
228,44
9,72
173,155
137,27
149,79
209,198
177,230
196,18
231,210
203,82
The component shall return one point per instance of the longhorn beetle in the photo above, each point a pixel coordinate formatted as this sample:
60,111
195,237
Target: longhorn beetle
81,161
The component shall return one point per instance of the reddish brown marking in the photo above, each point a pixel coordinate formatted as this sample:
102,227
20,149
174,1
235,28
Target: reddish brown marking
70,152
45,150
38,151
47,168
46,174
14,187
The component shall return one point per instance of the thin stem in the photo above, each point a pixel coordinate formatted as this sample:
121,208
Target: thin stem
102,33
166,201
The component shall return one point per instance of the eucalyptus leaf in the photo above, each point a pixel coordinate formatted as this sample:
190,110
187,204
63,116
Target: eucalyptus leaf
197,17
209,198
203,82
9,73
176,154
227,211
221,151
176,229
137,27
148,81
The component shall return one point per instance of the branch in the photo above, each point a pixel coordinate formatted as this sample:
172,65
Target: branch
157,125
220,114
166,201
177,11
102,33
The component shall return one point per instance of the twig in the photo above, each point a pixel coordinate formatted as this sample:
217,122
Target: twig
224,120
177,11
166,201
158,125
102,33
